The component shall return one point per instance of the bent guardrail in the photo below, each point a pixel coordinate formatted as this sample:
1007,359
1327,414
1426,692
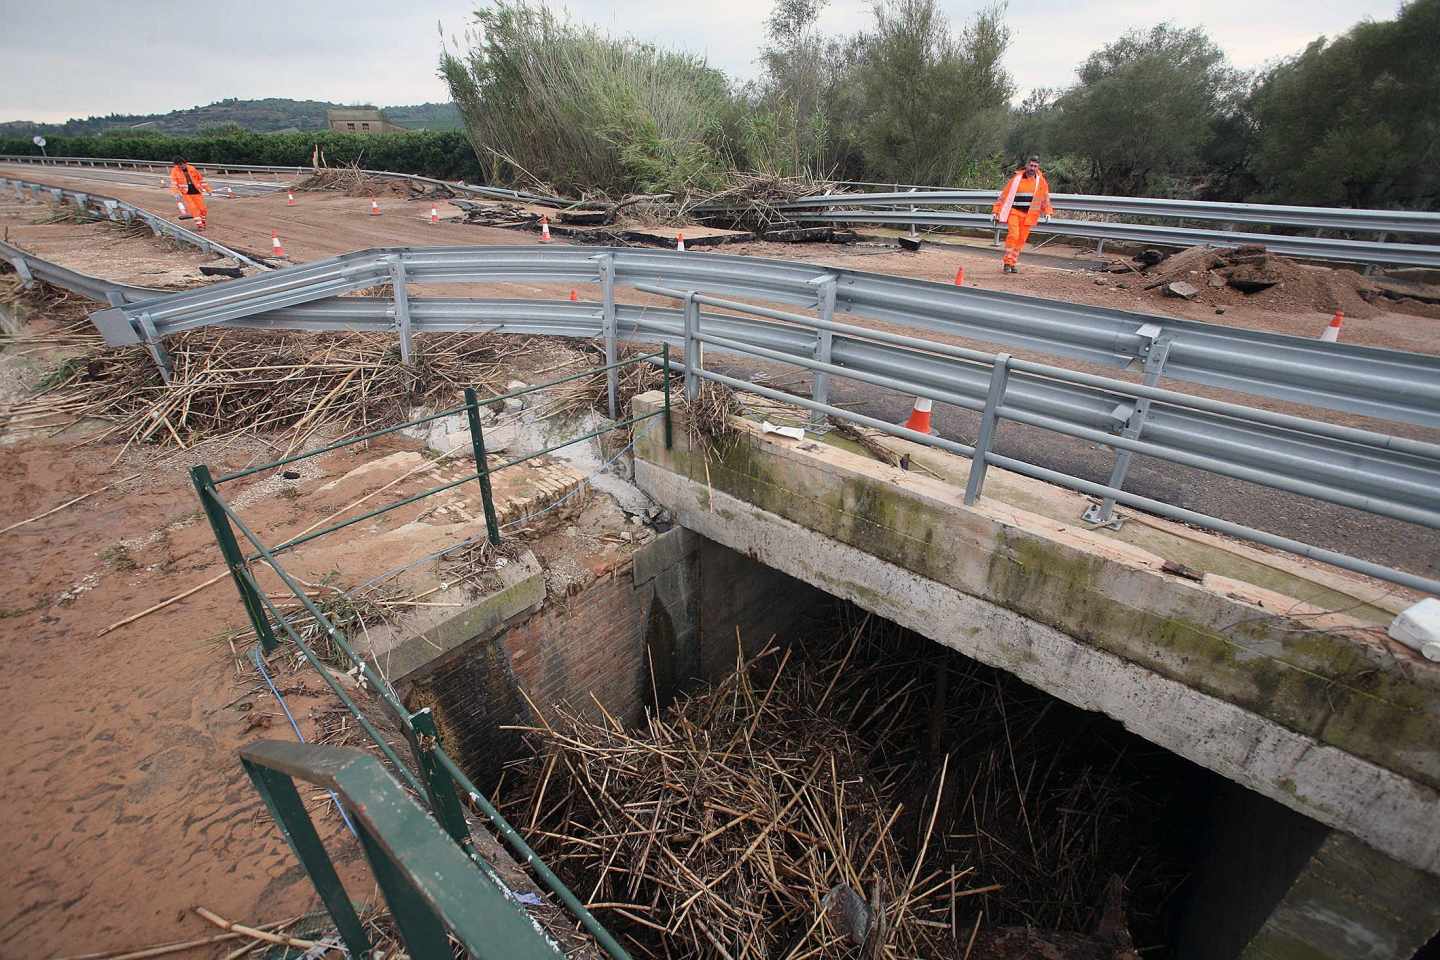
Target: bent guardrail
31,268
120,211
1387,384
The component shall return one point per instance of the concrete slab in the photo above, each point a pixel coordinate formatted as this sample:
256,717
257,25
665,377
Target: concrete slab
424,641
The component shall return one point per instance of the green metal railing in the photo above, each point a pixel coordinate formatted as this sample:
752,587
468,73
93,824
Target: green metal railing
440,781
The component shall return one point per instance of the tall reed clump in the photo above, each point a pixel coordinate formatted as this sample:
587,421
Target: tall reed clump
549,101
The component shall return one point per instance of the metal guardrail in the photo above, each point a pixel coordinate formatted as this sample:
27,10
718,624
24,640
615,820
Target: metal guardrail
1319,248
1274,215
32,268
1387,384
119,211
1366,470
441,782
1013,389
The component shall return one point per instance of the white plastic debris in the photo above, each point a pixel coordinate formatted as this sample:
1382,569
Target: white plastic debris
1419,628
794,433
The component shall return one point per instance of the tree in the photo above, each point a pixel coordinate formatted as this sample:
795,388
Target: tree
934,104
787,128
1354,121
1145,106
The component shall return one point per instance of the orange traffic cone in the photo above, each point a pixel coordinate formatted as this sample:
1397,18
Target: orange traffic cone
959,276
544,229
434,215
920,416
275,247
1332,332
289,199
374,208
574,297
680,242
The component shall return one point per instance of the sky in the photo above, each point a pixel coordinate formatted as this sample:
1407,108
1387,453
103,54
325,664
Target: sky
67,58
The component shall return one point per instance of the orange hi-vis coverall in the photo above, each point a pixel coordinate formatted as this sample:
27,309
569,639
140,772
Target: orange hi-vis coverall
190,184
1020,206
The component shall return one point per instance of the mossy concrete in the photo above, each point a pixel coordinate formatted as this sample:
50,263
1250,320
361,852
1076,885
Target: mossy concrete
1316,680
421,647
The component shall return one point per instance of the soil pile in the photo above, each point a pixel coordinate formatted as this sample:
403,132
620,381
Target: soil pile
1255,276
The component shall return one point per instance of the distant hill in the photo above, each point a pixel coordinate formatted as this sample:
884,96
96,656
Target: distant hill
273,115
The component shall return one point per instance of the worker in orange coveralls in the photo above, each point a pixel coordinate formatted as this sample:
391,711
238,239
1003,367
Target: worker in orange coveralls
1024,202
190,184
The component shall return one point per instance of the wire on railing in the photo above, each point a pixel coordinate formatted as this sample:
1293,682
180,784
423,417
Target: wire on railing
441,773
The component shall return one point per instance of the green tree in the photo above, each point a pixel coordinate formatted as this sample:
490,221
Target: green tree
934,103
1356,120
787,128
552,102
1144,107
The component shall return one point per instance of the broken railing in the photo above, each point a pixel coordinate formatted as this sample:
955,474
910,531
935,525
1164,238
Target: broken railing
390,842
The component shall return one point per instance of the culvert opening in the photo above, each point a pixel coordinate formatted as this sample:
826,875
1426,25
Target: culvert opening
857,790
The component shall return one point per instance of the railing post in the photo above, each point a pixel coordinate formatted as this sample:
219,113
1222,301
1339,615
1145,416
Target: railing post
22,270
420,927
482,469
999,377
230,550
824,340
402,306
665,372
285,806
605,263
694,349
1154,364
157,350
439,785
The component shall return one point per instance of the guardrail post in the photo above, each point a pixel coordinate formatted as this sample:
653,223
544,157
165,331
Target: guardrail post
694,349
914,234
402,306
482,469
1154,363
157,350
665,373
605,263
999,377
285,806
230,550
22,269
824,340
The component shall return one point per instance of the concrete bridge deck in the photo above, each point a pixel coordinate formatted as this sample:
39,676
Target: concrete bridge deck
1272,673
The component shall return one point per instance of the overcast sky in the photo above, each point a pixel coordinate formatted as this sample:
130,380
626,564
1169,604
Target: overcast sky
69,58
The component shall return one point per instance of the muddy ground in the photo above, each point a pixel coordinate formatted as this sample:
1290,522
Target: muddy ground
125,803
